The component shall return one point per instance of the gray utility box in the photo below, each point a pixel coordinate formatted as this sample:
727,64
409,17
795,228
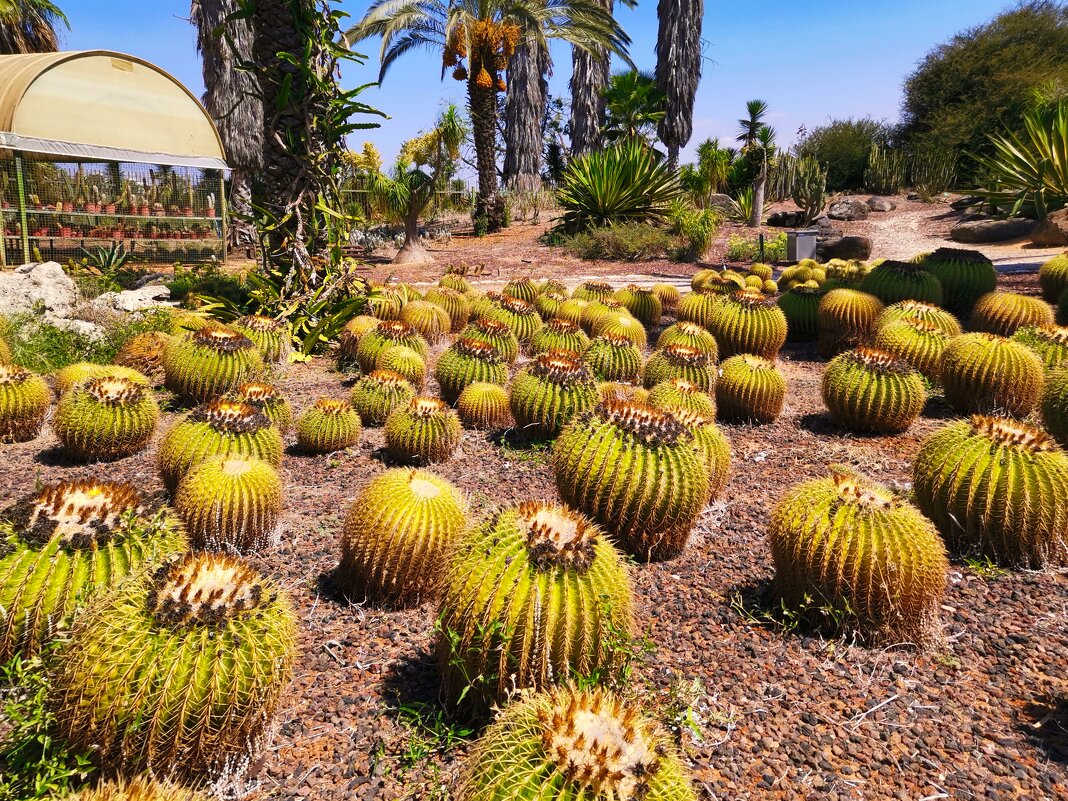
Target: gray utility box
801,244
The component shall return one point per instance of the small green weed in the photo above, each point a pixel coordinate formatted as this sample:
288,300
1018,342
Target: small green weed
984,567
533,453
810,614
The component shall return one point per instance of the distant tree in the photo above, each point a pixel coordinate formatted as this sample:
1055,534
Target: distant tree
709,175
678,70
633,107
843,147
29,26
758,152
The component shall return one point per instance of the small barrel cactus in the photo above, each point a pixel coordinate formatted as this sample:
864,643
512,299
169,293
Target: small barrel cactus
1055,405
801,306
613,358
349,339
669,296
495,333
691,335
621,325
571,310
1049,343
1002,313
209,362
617,391
988,373
642,302
605,461
523,288
559,334
554,388
548,304
273,338
397,537
455,305
871,390
895,281
330,425
70,376
424,430
1053,277
105,418
965,276
140,788
143,353
711,444
748,322
849,542
533,574
24,402
209,618
926,313
750,389
430,320
919,343
520,316
593,290
465,362
388,334
847,318
376,395
484,406
455,281
680,361
995,486
67,544
404,361
678,393
269,400
698,307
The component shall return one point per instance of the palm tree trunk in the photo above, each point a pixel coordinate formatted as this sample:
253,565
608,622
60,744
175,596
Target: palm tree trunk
524,110
413,251
589,77
483,107
756,216
678,70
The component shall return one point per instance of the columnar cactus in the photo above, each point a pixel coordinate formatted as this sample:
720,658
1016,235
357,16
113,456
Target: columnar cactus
592,290
678,393
613,358
559,334
105,418
846,319
1053,277
143,353
988,373
926,313
1002,313
691,335
801,306
895,281
1055,405
871,390
209,362
269,400
484,406
404,361
273,338
642,302
965,275
330,425
679,361
919,343
424,430
376,395
455,305
1048,342
748,321
465,362
494,333
750,389
388,334
230,503
554,388
350,336
521,317
24,402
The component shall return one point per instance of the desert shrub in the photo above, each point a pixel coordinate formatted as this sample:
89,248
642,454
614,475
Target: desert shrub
209,280
741,249
625,242
843,147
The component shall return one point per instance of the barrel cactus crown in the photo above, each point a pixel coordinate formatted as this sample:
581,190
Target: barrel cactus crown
669,296
918,312
105,418
424,430
209,362
870,390
680,361
520,316
209,618
466,361
548,303
711,444
748,321
571,310
269,400
397,536
273,338
349,338
801,306
143,353
404,361
613,358
1049,343
618,391
604,462
995,486
895,281
1002,313
554,388
1055,405
750,389
388,334
919,343
987,373
495,333
484,406
455,305
430,320
678,393
523,288
847,541
573,745
621,325
24,402
593,290
217,429
376,395
456,282
533,574
846,319
965,275
66,544
330,425
140,788
642,302
691,335
70,376
230,503
1053,277
559,334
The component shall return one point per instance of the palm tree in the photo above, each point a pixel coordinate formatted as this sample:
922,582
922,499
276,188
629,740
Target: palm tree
589,77
678,69
233,98
524,111
485,35
761,153
29,26
633,107
748,127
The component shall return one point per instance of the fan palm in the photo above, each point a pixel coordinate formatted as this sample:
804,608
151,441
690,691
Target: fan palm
678,70
29,26
633,106
524,111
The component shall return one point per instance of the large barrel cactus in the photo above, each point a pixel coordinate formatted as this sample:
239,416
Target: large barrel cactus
209,362
873,391
1055,405
495,333
328,425
24,402
273,338
669,296
520,316
711,444
430,320
698,307
988,373
919,343
1002,313
895,281
965,276
996,487
105,418
847,318
617,391
465,362
455,281
691,335
750,389
801,306
678,393
926,313
484,406
748,321
680,361
554,388
613,358
849,543
424,430
1048,342
559,334
388,334
376,395
642,302
454,303
571,310
1053,277
269,400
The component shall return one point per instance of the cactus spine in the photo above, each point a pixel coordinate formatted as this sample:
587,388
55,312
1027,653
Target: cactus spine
846,319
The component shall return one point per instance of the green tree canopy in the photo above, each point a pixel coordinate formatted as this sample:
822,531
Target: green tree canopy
842,148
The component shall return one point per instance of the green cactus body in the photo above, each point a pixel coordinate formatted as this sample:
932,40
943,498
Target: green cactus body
593,311
209,362
405,361
699,307
455,305
633,469
1055,405
679,361
678,393
642,302
846,319
920,344
621,325
349,338
330,425
1002,313
617,391
521,317
66,378
425,430
105,418
571,310
871,390
669,296
762,271
455,282
484,406
140,788
397,537
559,334
522,288
144,354
895,281
750,389
495,333
1053,277
801,306
179,671
965,275
389,334
216,429
273,338
465,362
593,290
987,373
532,575
376,395
749,322
230,503
1048,342
430,320
995,486
485,304
711,444
548,393
24,402
385,304
914,311
269,400
691,335
613,358
5,352
67,544
548,304
716,282
846,541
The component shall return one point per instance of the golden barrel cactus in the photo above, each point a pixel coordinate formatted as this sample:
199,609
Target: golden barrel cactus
847,318
24,402
988,373
327,426
105,418
549,392
871,390
424,430
750,389
209,362
1002,313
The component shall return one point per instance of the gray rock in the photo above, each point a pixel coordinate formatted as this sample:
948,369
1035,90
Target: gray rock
966,202
1052,232
848,209
132,300
985,231
844,247
972,216
786,219
83,327
881,204
38,287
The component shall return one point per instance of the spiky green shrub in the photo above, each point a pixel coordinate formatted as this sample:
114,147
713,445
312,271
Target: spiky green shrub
533,574
143,353
617,391
750,389
388,334
995,486
800,304
209,618
376,395
424,430
965,276
669,296
678,393
404,361
679,361
230,503
846,319
73,374
559,334
895,281
105,418
1055,405
140,788
604,462
24,402
573,745
1049,343
925,313
209,362
613,358
548,303
1002,313
698,307
849,542
521,317
748,321
330,425
273,338
691,335
430,320
920,344
1053,277
495,333
218,428
484,406
871,390
455,281
397,536
522,288
593,290
465,362
571,310
711,445
987,373
66,544
455,304
554,388
350,336
642,302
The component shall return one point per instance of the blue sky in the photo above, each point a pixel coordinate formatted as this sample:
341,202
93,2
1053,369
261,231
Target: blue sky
810,61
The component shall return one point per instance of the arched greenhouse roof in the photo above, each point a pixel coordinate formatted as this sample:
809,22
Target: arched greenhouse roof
102,106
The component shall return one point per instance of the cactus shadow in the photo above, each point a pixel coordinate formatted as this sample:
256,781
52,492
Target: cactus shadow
519,439
1045,723
410,687
936,408
54,456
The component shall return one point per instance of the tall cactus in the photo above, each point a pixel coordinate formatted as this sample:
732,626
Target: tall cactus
810,189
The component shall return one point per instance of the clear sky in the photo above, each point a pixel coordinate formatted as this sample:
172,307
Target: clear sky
810,61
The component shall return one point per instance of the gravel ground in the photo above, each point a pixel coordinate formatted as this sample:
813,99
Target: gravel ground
775,712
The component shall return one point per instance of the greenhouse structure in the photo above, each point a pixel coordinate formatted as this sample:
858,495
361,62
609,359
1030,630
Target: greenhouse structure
102,150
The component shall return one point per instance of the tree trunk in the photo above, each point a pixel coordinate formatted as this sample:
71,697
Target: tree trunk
756,216
413,251
240,232
589,77
489,203
678,70
524,109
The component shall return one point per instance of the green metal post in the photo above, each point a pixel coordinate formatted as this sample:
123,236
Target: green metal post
20,180
222,210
